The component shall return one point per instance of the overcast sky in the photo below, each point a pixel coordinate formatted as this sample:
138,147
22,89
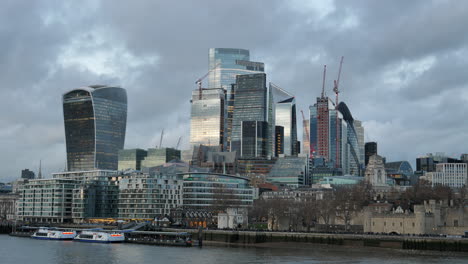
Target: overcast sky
405,73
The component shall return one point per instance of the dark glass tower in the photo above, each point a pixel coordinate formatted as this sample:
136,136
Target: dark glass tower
370,149
253,102
95,120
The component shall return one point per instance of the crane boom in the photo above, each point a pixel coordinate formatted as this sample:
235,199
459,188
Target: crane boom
323,83
161,139
199,80
337,92
178,142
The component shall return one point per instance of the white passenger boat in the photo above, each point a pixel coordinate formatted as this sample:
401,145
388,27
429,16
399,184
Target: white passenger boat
54,234
100,236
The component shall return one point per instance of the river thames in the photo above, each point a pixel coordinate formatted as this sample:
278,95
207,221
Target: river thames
20,250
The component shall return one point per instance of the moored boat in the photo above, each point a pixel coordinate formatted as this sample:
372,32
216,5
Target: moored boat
183,239
100,236
54,234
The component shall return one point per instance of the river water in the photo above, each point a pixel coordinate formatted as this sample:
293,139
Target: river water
18,250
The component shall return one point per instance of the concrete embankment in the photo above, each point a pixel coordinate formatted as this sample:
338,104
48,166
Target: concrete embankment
395,242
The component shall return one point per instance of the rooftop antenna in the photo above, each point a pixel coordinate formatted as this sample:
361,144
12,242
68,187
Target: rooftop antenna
323,83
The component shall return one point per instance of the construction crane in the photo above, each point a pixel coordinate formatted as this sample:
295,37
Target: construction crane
199,80
337,82
323,82
307,133
337,92
178,142
161,139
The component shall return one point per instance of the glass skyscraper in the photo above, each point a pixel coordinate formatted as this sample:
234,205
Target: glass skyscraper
95,120
225,64
207,120
285,116
253,103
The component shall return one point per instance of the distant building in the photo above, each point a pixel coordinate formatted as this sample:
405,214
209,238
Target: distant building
289,171
37,202
370,149
145,196
253,102
453,175
95,121
131,159
257,167
224,65
27,174
208,118
375,172
233,218
428,163
212,191
157,157
432,217
400,171
360,137
255,137
8,207
340,180
285,116
306,137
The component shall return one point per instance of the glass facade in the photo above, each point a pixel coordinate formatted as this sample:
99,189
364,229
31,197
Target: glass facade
211,191
157,157
285,116
131,159
207,120
252,103
225,64
254,139
95,121
289,171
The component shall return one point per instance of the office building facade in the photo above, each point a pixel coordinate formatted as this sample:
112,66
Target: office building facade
130,159
207,119
159,156
253,103
285,116
224,65
95,121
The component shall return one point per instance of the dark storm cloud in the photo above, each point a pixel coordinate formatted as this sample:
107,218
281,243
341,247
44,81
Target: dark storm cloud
403,73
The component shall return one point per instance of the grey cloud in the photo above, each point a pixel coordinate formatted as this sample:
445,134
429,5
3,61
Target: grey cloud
293,42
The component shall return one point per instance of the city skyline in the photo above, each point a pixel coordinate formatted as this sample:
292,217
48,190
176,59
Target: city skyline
416,93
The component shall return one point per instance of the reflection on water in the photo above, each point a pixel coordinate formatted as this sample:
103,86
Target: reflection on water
25,250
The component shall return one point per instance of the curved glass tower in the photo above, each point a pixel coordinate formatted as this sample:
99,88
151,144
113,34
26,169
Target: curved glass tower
95,121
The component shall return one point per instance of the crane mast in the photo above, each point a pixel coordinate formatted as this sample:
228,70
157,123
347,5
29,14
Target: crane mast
337,92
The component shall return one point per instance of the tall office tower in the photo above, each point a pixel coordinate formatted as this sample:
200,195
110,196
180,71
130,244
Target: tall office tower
252,103
95,120
370,149
353,164
207,124
225,64
306,137
285,116
360,135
